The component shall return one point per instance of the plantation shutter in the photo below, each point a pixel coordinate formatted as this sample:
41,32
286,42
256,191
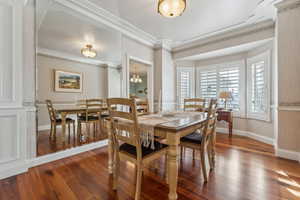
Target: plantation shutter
185,77
229,80
208,83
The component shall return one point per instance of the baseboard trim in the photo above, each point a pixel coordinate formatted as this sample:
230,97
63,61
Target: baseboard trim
249,134
66,153
291,155
14,170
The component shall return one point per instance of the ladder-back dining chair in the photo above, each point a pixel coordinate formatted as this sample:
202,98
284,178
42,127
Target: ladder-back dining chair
142,106
194,104
204,141
127,141
55,121
93,115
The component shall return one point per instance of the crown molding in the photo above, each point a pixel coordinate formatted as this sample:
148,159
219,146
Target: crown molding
227,34
101,15
285,5
67,56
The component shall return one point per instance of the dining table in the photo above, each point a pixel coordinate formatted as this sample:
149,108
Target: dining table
64,112
172,128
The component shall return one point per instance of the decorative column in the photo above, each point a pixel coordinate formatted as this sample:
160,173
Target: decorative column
288,79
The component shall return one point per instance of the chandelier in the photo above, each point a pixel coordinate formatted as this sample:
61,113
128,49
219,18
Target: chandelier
88,51
136,79
171,8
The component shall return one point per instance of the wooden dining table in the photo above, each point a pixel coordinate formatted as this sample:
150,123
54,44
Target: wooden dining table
64,112
171,131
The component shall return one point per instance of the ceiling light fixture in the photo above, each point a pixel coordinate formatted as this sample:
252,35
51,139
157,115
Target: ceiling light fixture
171,8
88,51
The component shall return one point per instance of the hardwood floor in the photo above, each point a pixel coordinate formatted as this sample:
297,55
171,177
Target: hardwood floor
46,146
245,169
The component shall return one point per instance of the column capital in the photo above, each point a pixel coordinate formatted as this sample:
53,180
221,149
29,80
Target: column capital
287,5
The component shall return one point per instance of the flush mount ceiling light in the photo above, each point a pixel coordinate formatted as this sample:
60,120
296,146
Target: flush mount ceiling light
88,51
171,8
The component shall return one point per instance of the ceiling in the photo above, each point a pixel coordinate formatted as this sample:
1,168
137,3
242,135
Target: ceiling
200,18
65,31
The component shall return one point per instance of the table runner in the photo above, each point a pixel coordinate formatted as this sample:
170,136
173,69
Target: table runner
147,124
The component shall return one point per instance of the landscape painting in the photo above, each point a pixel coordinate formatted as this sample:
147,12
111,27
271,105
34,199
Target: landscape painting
68,81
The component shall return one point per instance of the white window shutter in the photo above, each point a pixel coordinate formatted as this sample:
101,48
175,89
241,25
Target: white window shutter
185,84
208,83
258,87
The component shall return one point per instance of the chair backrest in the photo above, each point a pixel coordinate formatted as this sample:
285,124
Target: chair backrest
142,106
51,110
210,124
124,124
194,104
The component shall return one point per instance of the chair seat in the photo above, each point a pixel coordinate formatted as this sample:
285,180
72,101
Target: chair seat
145,150
67,120
90,118
104,115
194,137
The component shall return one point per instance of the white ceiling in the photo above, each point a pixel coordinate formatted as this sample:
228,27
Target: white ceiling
65,31
200,18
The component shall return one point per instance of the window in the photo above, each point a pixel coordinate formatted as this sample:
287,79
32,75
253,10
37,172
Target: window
258,87
185,84
223,77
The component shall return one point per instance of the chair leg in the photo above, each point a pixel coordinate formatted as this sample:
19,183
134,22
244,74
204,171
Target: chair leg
193,154
116,169
88,129
51,132
94,124
203,166
138,182
209,154
69,129
54,132
181,152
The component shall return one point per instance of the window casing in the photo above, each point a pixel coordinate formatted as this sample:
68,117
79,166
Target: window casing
258,90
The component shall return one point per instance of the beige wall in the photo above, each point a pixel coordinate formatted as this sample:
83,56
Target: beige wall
94,83
288,42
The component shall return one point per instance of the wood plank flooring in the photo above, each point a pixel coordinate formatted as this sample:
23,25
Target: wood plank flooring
47,146
245,170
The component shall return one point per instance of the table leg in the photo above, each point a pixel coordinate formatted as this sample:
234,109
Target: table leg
173,170
110,148
63,125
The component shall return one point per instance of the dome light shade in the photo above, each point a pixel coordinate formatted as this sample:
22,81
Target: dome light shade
171,8
88,51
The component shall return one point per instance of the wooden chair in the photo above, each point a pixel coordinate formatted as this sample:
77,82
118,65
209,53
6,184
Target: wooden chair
194,104
142,106
91,117
128,134
55,121
204,141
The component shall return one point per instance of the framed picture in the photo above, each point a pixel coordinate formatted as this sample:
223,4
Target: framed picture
67,81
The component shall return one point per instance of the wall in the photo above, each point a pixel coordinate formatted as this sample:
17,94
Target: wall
94,83
263,129
288,42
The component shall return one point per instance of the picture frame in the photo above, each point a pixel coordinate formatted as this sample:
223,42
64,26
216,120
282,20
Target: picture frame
66,81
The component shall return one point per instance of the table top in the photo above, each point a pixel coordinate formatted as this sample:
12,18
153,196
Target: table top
173,122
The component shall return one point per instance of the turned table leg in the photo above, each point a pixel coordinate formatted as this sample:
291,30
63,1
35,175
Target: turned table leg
173,170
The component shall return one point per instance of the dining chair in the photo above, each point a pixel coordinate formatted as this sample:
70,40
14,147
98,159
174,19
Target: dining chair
204,141
55,121
91,117
127,140
194,104
142,106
